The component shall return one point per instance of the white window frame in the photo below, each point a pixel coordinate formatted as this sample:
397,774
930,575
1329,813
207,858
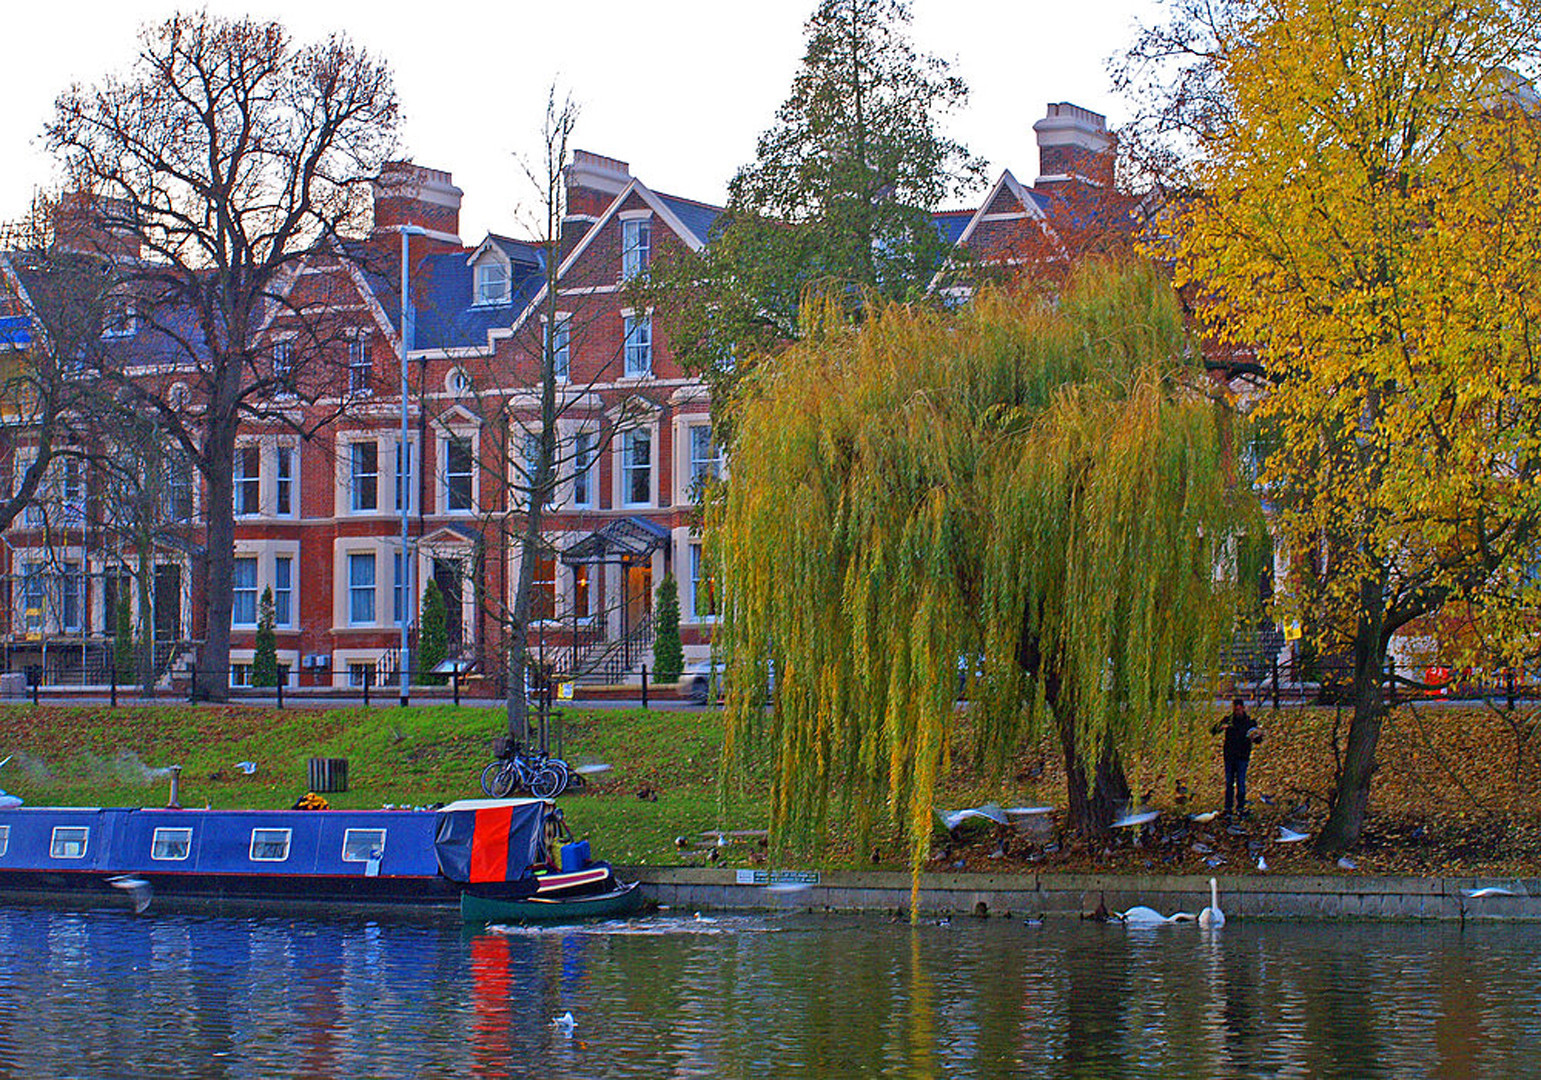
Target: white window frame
698,467
355,490
359,589
168,835
287,592
72,597
402,475
560,333
360,366
5,840
255,591
352,836
637,344
60,840
489,297
245,482
629,467
445,442
696,553
584,459
292,480
636,243
270,838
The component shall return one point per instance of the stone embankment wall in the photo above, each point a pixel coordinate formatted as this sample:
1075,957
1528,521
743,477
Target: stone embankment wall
1024,895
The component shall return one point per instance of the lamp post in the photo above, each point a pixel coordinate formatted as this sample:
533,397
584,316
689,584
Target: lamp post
404,459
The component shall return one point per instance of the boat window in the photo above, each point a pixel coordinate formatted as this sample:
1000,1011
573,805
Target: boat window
361,845
69,842
174,844
270,845
5,838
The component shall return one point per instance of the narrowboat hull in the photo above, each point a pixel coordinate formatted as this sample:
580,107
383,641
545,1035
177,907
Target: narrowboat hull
402,860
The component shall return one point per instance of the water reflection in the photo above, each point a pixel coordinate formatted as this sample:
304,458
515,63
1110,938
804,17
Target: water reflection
108,994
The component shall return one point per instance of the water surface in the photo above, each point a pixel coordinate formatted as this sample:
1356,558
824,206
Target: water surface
107,994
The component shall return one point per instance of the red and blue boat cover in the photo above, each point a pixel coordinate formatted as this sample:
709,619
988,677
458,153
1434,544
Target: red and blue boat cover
493,840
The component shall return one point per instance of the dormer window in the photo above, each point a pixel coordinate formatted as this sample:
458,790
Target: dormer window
636,246
492,282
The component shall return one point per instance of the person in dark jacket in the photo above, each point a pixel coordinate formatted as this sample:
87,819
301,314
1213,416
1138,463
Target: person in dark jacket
1240,734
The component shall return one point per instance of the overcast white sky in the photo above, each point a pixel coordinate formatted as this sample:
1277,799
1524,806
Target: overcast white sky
679,88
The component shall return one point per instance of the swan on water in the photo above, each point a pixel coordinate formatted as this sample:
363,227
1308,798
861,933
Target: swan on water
1212,917
1144,916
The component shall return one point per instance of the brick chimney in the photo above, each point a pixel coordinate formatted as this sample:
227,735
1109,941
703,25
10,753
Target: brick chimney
95,225
1074,144
408,194
593,182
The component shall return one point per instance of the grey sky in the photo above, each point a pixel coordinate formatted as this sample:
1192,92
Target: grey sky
679,88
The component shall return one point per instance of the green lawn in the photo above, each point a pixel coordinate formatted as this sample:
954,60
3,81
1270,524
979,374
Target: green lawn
96,756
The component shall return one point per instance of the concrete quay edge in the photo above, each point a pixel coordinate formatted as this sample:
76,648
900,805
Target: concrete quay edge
1254,896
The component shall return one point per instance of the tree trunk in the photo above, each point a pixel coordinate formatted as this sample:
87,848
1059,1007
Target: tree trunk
1351,799
1092,803
218,464
145,645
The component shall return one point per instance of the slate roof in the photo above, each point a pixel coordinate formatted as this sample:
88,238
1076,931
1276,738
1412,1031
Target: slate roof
951,223
696,216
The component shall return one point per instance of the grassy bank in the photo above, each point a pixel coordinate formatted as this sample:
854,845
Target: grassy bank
1456,793
416,756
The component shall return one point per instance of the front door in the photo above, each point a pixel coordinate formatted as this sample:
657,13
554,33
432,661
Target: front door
446,575
639,593
168,602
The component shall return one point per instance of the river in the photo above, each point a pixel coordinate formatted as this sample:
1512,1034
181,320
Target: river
109,994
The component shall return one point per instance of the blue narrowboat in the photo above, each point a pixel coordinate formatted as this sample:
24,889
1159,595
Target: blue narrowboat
505,851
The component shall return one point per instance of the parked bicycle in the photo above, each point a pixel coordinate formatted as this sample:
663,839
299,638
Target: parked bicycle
543,776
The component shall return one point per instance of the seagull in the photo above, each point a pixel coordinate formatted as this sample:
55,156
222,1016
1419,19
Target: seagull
1214,861
1288,835
590,770
1136,819
138,889
564,1023
247,767
1346,863
1262,863
1205,818
1488,890
1212,918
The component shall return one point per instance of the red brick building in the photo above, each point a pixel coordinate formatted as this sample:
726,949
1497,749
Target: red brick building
320,486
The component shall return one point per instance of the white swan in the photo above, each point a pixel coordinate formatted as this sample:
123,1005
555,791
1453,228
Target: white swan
1144,916
1212,918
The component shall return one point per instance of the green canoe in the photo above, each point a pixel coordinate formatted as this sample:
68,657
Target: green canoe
620,901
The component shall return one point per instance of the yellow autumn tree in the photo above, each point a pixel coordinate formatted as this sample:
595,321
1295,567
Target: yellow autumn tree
1037,486
1367,217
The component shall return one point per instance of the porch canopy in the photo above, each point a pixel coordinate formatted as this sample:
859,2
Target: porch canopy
624,540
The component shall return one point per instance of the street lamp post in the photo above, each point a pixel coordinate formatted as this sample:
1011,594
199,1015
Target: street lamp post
404,459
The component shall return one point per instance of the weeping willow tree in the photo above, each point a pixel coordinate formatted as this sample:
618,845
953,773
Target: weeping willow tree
1039,486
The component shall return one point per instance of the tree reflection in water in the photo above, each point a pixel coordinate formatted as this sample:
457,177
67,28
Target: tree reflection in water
105,994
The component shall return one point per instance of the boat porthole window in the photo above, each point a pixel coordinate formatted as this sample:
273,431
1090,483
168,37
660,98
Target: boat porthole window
5,838
171,844
69,842
361,845
270,845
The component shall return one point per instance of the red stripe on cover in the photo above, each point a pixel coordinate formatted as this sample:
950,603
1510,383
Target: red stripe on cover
489,844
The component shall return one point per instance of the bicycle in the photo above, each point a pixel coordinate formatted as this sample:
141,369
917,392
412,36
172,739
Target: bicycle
542,776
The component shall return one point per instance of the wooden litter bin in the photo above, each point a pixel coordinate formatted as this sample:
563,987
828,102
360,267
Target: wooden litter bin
327,774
